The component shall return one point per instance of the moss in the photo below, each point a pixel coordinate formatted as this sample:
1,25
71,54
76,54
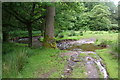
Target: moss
85,47
49,42
83,54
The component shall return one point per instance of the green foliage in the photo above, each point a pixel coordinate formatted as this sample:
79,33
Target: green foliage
100,20
67,15
21,16
82,17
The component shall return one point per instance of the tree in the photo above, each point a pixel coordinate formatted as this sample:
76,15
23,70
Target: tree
69,15
49,40
114,11
26,13
99,17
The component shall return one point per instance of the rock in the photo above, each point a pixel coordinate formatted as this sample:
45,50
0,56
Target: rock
76,60
71,64
68,71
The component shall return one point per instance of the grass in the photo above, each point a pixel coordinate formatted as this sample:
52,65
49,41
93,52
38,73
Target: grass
110,61
83,55
14,57
45,61
79,73
17,33
22,62
114,49
93,55
99,35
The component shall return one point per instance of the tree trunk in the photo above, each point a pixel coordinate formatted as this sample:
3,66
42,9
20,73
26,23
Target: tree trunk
29,27
5,36
49,40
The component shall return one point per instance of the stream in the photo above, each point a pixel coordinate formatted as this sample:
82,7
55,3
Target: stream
87,47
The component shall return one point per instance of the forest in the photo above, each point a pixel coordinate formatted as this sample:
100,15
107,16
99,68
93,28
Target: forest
60,40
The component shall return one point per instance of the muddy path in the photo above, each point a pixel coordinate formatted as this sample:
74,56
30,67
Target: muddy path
82,53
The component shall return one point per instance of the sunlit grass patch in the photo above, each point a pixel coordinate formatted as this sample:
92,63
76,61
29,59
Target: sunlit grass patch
100,35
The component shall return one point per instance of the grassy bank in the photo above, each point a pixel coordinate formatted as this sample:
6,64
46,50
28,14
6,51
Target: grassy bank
110,62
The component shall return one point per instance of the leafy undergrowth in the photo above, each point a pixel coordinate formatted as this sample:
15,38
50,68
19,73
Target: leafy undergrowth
23,62
110,61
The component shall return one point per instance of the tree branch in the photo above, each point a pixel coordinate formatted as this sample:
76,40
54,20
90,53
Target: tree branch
16,15
37,18
33,9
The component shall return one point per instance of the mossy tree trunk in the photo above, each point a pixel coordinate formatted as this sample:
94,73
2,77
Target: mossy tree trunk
49,40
